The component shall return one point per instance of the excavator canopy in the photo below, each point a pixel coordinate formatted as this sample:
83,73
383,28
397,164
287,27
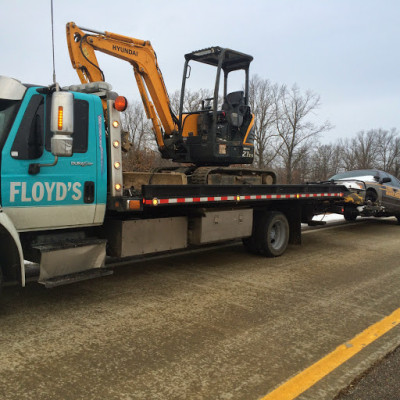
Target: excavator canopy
231,60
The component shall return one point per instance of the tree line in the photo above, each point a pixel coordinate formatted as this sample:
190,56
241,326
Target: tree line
286,136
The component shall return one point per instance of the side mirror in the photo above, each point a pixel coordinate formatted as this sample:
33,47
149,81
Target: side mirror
62,123
385,180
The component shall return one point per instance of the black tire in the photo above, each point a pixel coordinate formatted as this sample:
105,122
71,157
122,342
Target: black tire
398,219
271,235
350,214
371,196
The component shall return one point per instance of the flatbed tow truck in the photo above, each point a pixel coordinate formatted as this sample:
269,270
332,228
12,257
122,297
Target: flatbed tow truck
67,204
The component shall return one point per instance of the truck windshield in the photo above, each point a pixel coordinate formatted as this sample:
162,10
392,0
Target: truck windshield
8,110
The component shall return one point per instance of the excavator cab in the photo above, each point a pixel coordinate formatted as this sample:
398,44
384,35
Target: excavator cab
218,135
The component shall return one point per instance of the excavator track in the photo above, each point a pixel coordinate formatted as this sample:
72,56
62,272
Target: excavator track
231,176
215,175
200,176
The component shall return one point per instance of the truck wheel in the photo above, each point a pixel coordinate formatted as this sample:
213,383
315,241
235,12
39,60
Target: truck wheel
271,234
350,214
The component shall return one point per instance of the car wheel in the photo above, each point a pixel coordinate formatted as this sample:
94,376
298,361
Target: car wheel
371,196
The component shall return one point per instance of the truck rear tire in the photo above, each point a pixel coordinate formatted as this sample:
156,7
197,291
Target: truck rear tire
271,235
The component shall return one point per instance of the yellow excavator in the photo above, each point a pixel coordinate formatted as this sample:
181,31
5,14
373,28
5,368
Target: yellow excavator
210,138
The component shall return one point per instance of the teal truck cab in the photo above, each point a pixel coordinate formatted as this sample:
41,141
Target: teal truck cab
67,205
42,191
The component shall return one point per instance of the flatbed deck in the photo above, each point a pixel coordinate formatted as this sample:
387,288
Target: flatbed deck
211,195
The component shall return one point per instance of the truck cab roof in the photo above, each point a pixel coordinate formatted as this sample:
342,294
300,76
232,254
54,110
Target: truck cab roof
11,89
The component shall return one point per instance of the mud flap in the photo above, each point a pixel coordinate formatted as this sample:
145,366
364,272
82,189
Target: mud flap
293,215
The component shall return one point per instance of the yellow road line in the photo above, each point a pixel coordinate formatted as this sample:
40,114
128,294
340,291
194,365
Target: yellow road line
308,377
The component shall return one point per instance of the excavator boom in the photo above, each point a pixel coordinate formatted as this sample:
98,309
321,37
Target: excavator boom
82,45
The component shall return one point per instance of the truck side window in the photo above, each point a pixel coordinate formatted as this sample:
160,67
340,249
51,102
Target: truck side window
81,127
28,143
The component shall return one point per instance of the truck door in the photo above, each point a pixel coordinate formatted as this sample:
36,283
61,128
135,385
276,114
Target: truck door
62,195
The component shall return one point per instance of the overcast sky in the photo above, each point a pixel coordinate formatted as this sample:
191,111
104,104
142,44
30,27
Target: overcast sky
347,51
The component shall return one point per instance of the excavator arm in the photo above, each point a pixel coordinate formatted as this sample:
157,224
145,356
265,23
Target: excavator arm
82,45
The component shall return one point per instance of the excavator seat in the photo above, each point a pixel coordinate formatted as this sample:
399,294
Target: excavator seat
235,108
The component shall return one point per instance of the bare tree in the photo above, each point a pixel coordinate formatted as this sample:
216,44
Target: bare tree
303,171
347,155
192,101
296,130
359,152
139,128
325,161
387,149
139,144
375,148
364,146
261,98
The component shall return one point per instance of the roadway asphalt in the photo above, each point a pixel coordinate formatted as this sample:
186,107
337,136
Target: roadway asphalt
380,382
220,324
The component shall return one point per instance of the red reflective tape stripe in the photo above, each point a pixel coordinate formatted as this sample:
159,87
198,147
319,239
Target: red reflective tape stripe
243,197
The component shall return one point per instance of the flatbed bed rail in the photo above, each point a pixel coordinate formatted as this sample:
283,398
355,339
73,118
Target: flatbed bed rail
164,195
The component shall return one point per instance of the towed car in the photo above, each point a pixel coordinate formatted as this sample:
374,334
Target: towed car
371,193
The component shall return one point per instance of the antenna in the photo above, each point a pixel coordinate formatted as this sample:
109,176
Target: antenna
52,41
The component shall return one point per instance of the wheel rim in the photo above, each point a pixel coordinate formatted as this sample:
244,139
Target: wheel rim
276,235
